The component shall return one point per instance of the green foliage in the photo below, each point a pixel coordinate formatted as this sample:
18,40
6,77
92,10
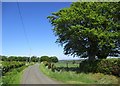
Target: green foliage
13,77
34,59
3,58
8,66
81,78
14,58
106,66
88,29
45,63
53,59
49,65
44,58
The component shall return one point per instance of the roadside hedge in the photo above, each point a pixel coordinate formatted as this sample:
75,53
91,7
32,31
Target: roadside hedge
50,65
106,66
7,66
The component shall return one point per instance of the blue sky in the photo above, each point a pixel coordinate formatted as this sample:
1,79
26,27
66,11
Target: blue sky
39,30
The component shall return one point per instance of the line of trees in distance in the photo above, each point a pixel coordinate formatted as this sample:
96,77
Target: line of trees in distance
29,59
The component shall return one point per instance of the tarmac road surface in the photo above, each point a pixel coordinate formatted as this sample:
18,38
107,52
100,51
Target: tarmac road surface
33,75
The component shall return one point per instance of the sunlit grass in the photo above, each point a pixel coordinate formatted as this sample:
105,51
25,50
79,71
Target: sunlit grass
81,78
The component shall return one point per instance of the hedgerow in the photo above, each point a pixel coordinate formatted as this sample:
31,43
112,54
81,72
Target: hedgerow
7,66
106,66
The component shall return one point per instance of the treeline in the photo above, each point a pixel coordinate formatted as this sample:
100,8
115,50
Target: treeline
106,66
19,58
49,59
29,59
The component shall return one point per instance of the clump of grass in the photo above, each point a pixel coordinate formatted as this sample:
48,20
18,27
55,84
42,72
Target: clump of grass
81,78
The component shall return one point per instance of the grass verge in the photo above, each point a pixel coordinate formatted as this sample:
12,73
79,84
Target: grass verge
13,77
81,78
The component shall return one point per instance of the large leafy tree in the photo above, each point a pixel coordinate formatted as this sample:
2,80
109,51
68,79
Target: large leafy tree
88,29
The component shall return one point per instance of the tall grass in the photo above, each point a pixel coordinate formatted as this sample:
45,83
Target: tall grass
81,78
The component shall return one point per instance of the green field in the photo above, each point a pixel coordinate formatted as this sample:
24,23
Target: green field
63,63
71,77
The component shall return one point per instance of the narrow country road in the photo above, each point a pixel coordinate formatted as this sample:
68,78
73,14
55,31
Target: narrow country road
33,75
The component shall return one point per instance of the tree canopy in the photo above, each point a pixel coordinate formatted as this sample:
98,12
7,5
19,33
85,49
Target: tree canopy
88,29
34,59
49,59
44,58
20,58
53,59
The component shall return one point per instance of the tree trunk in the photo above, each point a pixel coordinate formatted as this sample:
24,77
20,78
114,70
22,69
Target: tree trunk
92,50
92,53
91,57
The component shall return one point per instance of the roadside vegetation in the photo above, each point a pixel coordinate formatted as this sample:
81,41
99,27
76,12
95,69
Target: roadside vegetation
49,59
13,76
12,69
91,31
72,77
103,71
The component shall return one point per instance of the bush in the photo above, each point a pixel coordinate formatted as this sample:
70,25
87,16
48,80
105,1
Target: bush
53,67
7,66
49,65
45,63
44,58
106,66
53,59
109,66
